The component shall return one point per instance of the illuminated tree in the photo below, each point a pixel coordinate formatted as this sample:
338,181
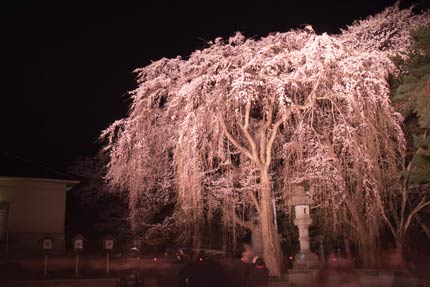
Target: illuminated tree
234,127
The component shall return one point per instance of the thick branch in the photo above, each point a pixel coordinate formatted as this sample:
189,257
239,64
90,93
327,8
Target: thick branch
269,118
241,148
247,113
270,143
262,134
245,130
423,203
251,143
243,223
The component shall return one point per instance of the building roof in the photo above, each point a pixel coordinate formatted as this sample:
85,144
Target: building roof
15,166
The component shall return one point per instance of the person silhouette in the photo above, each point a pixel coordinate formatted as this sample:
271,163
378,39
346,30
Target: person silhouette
259,275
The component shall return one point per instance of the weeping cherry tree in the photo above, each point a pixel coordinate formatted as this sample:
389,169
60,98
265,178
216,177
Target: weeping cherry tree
234,127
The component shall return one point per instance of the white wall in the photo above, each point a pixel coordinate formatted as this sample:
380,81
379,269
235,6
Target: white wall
35,205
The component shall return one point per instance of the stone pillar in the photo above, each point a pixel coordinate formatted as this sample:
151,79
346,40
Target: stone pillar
305,258
303,226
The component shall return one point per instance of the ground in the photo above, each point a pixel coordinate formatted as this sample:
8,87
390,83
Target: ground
167,271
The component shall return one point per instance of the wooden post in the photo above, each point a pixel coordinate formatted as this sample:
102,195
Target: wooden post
45,266
77,265
107,262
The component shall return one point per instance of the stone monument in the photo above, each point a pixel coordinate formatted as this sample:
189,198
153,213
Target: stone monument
305,258
305,265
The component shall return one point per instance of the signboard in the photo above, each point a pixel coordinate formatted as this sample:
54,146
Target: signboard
109,244
78,244
47,244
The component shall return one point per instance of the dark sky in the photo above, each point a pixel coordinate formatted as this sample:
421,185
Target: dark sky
66,68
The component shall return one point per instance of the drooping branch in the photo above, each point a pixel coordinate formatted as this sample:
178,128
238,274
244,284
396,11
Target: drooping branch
310,100
255,200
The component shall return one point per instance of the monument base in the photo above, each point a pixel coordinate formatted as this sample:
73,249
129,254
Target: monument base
302,277
305,260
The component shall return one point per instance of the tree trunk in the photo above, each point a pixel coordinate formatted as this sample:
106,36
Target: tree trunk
271,244
399,247
363,236
368,251
257,241
348,252
366,244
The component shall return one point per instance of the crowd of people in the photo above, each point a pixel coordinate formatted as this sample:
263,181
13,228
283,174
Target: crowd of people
245,270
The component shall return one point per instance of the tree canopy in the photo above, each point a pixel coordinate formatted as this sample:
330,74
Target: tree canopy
234,127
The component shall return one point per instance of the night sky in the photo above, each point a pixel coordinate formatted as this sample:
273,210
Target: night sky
67,68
